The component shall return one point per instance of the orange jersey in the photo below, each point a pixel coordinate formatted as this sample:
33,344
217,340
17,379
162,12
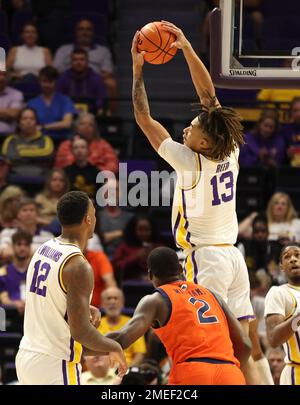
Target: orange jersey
197,327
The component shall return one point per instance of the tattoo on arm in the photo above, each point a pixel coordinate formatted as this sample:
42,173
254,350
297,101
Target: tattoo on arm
139,96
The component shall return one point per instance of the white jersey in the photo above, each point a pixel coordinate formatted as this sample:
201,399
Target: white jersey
204,208
46,329
285,300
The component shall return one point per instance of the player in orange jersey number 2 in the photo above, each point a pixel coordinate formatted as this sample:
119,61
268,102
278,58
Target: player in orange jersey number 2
202,337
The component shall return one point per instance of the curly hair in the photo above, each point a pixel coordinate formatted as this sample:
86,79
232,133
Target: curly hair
223,127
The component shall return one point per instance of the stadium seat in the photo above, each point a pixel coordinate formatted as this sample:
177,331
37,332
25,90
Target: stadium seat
19,19
5,41
3,22
135,290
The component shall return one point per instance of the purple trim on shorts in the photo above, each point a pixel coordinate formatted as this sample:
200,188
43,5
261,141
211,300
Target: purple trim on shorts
71,349
78,375
64,370
240,318
293,376
195,268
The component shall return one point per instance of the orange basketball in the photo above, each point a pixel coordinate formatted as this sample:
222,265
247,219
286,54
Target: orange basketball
156,43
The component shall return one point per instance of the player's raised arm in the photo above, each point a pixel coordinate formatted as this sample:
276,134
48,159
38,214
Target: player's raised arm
154,131
146,312
78,280
200,75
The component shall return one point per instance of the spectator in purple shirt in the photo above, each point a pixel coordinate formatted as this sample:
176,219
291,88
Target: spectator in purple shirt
11,102
291,133
263,147
13,275
81,82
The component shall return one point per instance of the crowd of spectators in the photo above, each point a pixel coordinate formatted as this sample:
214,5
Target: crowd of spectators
51,144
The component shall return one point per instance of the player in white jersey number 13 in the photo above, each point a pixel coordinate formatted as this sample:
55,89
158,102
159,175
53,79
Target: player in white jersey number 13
59,284
204,217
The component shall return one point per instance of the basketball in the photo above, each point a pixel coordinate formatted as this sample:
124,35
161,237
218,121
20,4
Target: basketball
156,43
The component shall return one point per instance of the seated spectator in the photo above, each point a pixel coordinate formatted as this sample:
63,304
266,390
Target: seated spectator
27,217
11,102
56,186
101,153
81,174
277,363
4,170
27,59
81,82
130,258
283,221
29,151
103,274
99,371
9,205
113,303
112,219
54,110
99,56
263,146
13,275
260,254
291,134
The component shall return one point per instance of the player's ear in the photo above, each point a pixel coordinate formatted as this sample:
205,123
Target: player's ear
88,220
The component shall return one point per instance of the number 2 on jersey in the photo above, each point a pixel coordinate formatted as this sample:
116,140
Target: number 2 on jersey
202,311
39,278
227,179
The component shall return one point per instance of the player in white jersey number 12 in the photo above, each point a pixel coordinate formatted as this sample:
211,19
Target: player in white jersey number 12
204,217
59,284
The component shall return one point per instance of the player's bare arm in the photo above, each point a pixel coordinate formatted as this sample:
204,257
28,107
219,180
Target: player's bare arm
154,131
151,308
78,280
241,342
279,329
200,75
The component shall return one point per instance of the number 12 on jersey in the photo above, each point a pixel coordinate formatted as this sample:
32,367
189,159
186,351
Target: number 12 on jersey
40,275
228,180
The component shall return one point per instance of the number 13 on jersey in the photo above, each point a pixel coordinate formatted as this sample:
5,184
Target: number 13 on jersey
226,179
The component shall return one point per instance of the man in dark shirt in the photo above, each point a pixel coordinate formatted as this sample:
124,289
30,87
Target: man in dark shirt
81,82
13,275
82,175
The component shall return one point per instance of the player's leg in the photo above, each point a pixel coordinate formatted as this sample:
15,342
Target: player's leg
260,361
256,372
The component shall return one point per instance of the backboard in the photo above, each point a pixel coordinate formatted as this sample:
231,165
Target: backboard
239,59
